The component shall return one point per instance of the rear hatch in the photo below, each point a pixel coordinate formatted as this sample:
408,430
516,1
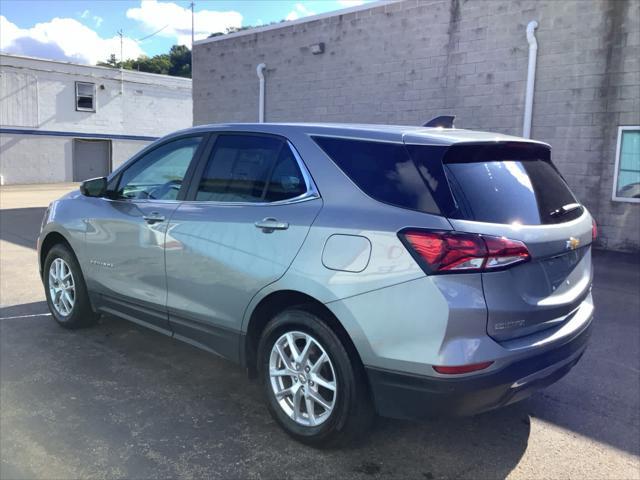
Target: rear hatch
512,190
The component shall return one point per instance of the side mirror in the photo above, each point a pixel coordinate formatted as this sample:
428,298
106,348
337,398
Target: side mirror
94,187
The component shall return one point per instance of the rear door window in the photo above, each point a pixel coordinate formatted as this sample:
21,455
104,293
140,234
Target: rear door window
251,169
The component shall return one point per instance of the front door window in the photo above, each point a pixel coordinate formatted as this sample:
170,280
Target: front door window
158,175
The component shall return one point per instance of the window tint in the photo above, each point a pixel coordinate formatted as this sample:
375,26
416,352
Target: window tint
628,164
384,171
247,168
503,184
85,96
158,174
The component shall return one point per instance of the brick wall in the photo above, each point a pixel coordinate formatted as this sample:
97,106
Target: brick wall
406,62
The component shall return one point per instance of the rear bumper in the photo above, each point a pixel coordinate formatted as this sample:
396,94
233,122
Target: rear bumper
399,395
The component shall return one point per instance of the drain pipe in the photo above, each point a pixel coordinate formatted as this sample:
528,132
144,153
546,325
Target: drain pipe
531,78
260,71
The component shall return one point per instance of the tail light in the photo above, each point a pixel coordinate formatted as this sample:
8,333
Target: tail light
594,230
450,252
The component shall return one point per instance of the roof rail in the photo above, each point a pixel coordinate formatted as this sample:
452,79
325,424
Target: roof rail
443,121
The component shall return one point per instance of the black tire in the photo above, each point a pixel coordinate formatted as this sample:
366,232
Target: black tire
81,314
353,411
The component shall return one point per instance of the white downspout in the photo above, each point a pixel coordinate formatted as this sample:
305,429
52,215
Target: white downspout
260,71
531,78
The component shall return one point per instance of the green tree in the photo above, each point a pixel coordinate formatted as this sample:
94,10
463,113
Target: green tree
177,62
111,62
180,60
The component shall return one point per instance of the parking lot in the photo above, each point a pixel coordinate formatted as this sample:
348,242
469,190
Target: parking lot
118,401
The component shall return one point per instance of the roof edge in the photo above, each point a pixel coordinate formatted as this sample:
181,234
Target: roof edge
96,67
289,23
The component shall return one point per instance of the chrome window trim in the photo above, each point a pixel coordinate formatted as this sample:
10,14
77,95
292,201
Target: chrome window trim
311,192
141,200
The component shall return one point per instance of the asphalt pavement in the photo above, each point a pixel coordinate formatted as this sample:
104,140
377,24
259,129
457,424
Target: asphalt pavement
119,401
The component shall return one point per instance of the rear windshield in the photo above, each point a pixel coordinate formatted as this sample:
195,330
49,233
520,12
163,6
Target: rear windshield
508,184
503,183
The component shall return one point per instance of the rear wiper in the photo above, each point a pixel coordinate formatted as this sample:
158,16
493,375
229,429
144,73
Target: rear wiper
563,210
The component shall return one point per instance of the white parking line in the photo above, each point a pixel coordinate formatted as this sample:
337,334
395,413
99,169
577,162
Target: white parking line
26,316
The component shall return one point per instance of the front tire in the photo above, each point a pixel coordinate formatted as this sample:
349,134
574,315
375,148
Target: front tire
65,289
315,391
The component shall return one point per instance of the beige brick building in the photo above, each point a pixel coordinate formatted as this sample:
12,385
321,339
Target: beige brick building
408,61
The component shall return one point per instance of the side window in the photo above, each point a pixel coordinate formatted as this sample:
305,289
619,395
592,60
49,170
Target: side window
382,170
247,168
158,175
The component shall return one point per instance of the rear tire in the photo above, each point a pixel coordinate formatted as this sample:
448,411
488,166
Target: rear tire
326,381
66,290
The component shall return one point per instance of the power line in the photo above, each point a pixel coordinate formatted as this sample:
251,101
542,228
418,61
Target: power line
151,35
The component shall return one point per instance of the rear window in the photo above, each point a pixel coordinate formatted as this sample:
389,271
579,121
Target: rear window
508,184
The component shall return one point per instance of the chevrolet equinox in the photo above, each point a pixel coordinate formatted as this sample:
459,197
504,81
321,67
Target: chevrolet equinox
353,269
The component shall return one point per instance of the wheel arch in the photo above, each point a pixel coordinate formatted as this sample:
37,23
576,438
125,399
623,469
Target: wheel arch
278,301
50,240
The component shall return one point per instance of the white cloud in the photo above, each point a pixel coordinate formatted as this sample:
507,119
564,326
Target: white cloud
63,39
175,20
350,3
299,11
86,14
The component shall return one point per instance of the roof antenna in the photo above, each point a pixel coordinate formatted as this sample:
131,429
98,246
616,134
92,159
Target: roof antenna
443,121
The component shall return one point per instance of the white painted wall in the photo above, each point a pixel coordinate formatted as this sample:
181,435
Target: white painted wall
40,95
19,98
151,105
28,159
123,150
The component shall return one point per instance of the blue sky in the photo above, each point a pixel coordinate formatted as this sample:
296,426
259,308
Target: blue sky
86,31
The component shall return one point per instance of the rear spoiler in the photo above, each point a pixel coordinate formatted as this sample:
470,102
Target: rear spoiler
443,121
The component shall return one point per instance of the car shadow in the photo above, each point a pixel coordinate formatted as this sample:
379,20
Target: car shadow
21,226
485,446
24,310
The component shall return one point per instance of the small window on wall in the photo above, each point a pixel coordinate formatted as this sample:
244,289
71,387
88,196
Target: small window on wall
85,97
626,186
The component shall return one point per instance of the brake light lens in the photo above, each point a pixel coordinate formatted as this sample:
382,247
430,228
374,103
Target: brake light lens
594,230
450,252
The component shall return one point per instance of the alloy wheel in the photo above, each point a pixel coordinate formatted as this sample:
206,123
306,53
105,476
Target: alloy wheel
303,378
62,289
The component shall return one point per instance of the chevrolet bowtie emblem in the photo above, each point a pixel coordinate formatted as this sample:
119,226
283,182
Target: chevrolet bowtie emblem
572,243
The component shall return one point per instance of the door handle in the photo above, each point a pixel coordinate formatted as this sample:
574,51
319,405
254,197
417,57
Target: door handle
268,225
153,217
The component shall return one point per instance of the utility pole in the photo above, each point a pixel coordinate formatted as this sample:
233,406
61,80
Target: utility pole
192,34
121,34
192,23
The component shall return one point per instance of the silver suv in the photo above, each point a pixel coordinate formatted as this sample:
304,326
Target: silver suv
353,269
